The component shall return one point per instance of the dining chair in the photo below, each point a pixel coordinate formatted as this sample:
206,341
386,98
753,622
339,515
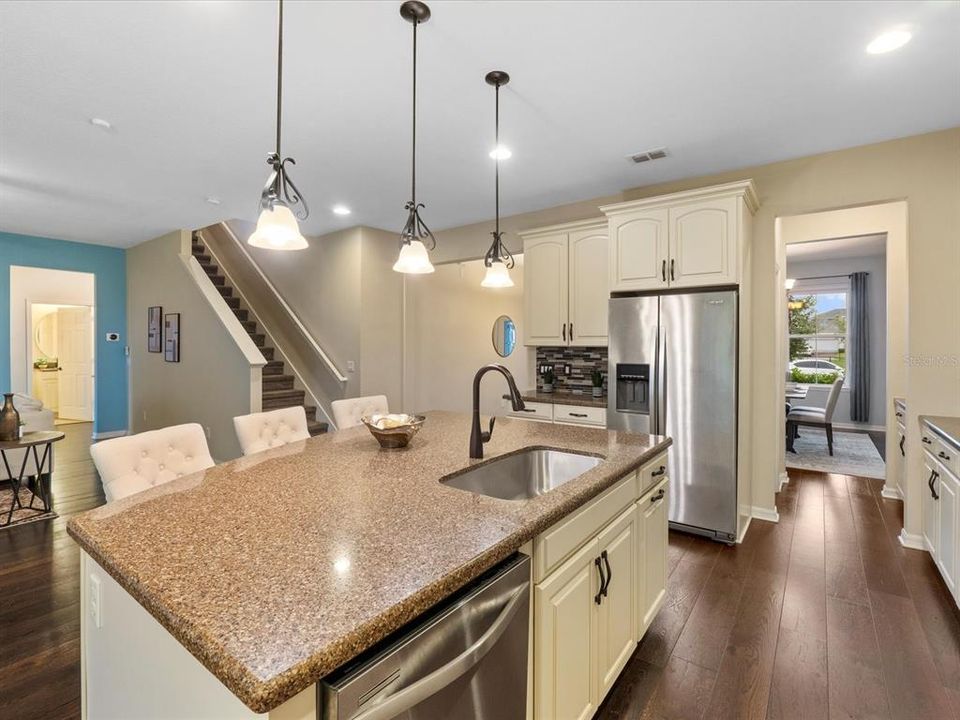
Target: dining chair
132,464
265,430
815,416
347,413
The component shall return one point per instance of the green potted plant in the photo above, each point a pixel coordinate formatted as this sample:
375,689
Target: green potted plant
548,379
597,378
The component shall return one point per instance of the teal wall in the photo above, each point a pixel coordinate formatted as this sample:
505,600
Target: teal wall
109,265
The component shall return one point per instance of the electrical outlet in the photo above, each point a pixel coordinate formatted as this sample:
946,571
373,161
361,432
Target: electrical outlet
94,600
351,366
566,369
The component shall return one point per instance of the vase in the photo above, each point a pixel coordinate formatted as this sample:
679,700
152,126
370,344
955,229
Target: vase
9,420
597,391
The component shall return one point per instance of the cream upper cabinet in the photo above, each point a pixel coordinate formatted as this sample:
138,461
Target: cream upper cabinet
696,238
703,247
589,289
565,637
638,250
545,289
653,537
565,276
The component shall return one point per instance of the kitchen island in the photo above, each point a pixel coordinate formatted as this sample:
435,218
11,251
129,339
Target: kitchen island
275,569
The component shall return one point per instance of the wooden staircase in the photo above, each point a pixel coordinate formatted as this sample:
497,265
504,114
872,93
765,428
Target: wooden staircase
278,389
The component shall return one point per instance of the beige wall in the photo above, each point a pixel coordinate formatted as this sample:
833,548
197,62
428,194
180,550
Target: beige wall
211,383
449,337
381,317
924,171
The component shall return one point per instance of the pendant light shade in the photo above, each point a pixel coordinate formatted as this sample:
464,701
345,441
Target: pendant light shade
277,227
416,240
498,259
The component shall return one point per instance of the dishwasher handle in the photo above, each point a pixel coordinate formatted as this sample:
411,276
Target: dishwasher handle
441,677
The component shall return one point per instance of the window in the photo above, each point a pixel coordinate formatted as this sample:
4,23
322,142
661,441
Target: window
818,333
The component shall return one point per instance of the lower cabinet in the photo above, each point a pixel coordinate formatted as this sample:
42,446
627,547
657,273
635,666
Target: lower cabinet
591,609
940,506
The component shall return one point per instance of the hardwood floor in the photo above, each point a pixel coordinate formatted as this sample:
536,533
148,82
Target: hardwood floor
822,615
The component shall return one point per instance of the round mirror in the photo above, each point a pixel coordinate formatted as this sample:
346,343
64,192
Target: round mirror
46,335
504,336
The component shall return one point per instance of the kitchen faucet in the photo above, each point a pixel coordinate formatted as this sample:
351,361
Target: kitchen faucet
477,436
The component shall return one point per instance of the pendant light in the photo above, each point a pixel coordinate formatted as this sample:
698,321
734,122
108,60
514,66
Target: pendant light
277,227
498,259
415,238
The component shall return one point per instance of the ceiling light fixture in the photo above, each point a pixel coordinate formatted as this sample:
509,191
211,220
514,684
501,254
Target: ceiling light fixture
501,152
416,240
277,227
341,210
888,41
498,259
101,123
213,200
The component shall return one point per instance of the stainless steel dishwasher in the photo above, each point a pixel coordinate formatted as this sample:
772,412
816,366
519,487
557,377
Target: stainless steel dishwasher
464,660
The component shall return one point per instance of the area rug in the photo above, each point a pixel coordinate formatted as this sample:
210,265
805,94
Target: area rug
23,515
853,454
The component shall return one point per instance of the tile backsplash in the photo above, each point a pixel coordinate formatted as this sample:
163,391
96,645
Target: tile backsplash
582,361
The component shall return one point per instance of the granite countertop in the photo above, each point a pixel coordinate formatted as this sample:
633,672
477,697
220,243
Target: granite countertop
946,427
563,398
275,569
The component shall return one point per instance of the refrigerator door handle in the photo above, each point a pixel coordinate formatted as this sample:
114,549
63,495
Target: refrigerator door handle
661,382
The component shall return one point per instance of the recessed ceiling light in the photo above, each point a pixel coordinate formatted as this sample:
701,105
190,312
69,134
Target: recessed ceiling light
213,200
101,123
501,152
889,41
341,210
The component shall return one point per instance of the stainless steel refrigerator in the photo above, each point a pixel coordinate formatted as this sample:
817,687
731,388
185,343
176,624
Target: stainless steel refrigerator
673,371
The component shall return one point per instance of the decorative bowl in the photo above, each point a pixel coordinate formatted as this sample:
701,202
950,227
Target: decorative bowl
393,430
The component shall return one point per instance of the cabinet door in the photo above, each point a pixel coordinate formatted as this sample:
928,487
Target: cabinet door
565,636
545,290
589,287
929,508
638,250
617,632
653,511
703,243
948,488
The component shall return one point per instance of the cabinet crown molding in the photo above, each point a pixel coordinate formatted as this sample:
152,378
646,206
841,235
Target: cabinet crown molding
597,223
743,188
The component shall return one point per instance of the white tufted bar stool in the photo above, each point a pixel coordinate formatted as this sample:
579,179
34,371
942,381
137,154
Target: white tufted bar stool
128,465
261,431
347,413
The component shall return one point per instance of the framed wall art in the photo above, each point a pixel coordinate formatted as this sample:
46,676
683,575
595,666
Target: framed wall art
171,334
155,329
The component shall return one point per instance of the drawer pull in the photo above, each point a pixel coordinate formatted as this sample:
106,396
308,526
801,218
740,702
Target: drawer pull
659,496
658,473
529,410
926,441
573,414
903,439
942,455
899,414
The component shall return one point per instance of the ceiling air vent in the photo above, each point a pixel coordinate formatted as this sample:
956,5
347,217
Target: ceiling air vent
654,154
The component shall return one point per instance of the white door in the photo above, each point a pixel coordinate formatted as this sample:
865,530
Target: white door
565,633
929,507
589,286
703,243
638,251
75,348
545,290
617,632
653,512
948,489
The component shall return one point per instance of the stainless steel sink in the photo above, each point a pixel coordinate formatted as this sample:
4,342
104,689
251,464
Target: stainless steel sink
523,475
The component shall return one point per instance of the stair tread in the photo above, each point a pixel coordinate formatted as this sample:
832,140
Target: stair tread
286,392
317,428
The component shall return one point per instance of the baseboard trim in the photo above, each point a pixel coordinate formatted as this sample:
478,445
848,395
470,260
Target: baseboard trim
891,492
909,540
784,480
767,514
108,434
850,427
743,532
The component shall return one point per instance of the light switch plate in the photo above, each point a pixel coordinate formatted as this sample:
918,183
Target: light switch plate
94,601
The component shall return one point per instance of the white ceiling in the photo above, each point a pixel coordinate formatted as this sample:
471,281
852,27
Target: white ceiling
837,248
189,88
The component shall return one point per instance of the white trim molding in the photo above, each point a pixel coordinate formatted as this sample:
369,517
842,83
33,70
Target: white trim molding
761,513
784,480
912,541
891,492
109,434
743,530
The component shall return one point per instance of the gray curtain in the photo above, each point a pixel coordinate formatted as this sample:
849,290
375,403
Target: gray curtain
858,353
